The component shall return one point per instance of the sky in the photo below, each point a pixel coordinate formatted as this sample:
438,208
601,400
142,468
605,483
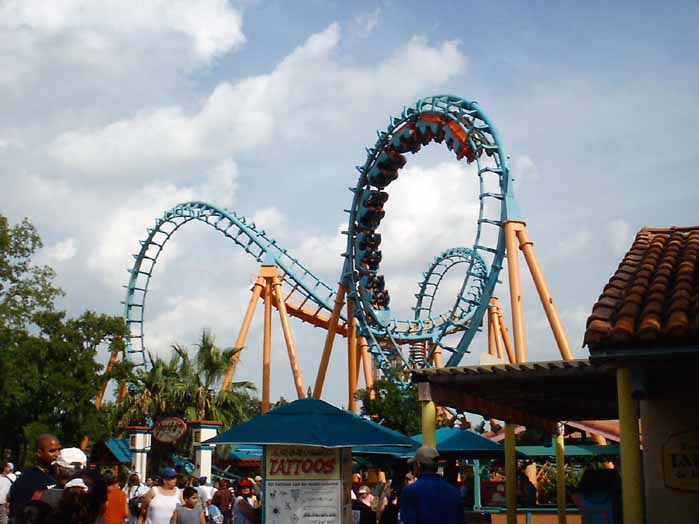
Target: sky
113,113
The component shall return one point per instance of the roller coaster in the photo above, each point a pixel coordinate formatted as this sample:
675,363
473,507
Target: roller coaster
359,308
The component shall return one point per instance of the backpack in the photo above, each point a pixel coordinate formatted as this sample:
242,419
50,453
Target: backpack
135,505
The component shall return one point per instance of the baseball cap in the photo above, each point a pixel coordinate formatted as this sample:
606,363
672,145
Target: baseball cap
425,455
363,489
168,473
76,483
71,458
258,479
244,483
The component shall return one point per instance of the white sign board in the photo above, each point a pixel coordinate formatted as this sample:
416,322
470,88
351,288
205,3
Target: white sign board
303,502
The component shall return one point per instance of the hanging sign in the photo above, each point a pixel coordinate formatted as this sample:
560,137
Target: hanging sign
681,461
169,430
303,485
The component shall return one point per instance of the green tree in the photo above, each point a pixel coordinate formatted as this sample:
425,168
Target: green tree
395,406
48,374
25,289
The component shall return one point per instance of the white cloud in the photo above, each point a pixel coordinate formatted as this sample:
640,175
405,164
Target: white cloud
213,27
309,91
62,251
127,223
576,244
523,169
366,23
620,236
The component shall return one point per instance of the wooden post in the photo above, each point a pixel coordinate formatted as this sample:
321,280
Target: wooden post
510,473
329,339
516,289
527,247
631,471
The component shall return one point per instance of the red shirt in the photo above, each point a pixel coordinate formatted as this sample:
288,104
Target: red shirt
116,512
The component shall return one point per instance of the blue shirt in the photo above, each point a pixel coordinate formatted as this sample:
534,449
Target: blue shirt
431,500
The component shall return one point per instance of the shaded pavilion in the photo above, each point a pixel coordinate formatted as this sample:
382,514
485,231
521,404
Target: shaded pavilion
643,337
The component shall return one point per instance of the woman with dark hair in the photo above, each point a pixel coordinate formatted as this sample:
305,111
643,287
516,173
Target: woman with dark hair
83,500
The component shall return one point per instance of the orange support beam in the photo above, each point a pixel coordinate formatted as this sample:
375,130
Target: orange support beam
366,364
267,348
351,357
505,333
329,339
244,329
511,229
527,247
288,337
491,331
118,348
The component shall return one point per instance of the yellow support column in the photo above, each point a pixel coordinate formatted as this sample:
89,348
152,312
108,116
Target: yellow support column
428,415
560,474
510,473
631,470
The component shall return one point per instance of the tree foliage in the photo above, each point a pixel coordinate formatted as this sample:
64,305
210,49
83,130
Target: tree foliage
394,406
189,388
49,377
25,289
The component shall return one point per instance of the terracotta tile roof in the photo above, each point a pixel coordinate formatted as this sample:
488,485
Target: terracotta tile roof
653,298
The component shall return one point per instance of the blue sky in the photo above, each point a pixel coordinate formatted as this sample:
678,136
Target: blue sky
113,114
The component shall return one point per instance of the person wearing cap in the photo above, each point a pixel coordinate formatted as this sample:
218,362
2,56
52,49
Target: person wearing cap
160,502
69,462
361,507
244,511
36,479
430,498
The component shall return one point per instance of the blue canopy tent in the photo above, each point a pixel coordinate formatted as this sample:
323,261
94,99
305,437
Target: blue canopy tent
311,422
461,443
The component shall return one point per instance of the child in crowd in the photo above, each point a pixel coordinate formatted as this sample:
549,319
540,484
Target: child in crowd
189,512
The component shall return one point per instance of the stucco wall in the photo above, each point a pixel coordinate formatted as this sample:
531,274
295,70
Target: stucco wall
662,418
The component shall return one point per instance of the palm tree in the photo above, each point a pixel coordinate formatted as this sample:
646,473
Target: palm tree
190,388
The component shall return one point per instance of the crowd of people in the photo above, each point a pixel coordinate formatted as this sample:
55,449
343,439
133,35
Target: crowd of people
421,496
61,489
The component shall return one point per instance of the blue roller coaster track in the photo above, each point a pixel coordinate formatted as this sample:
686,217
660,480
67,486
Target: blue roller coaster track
466,130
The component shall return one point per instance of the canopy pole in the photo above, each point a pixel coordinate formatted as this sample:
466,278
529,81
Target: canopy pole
631,470
428,415
477,485
559,443
510,473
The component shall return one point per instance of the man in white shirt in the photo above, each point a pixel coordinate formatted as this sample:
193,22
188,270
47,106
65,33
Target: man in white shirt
5,485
